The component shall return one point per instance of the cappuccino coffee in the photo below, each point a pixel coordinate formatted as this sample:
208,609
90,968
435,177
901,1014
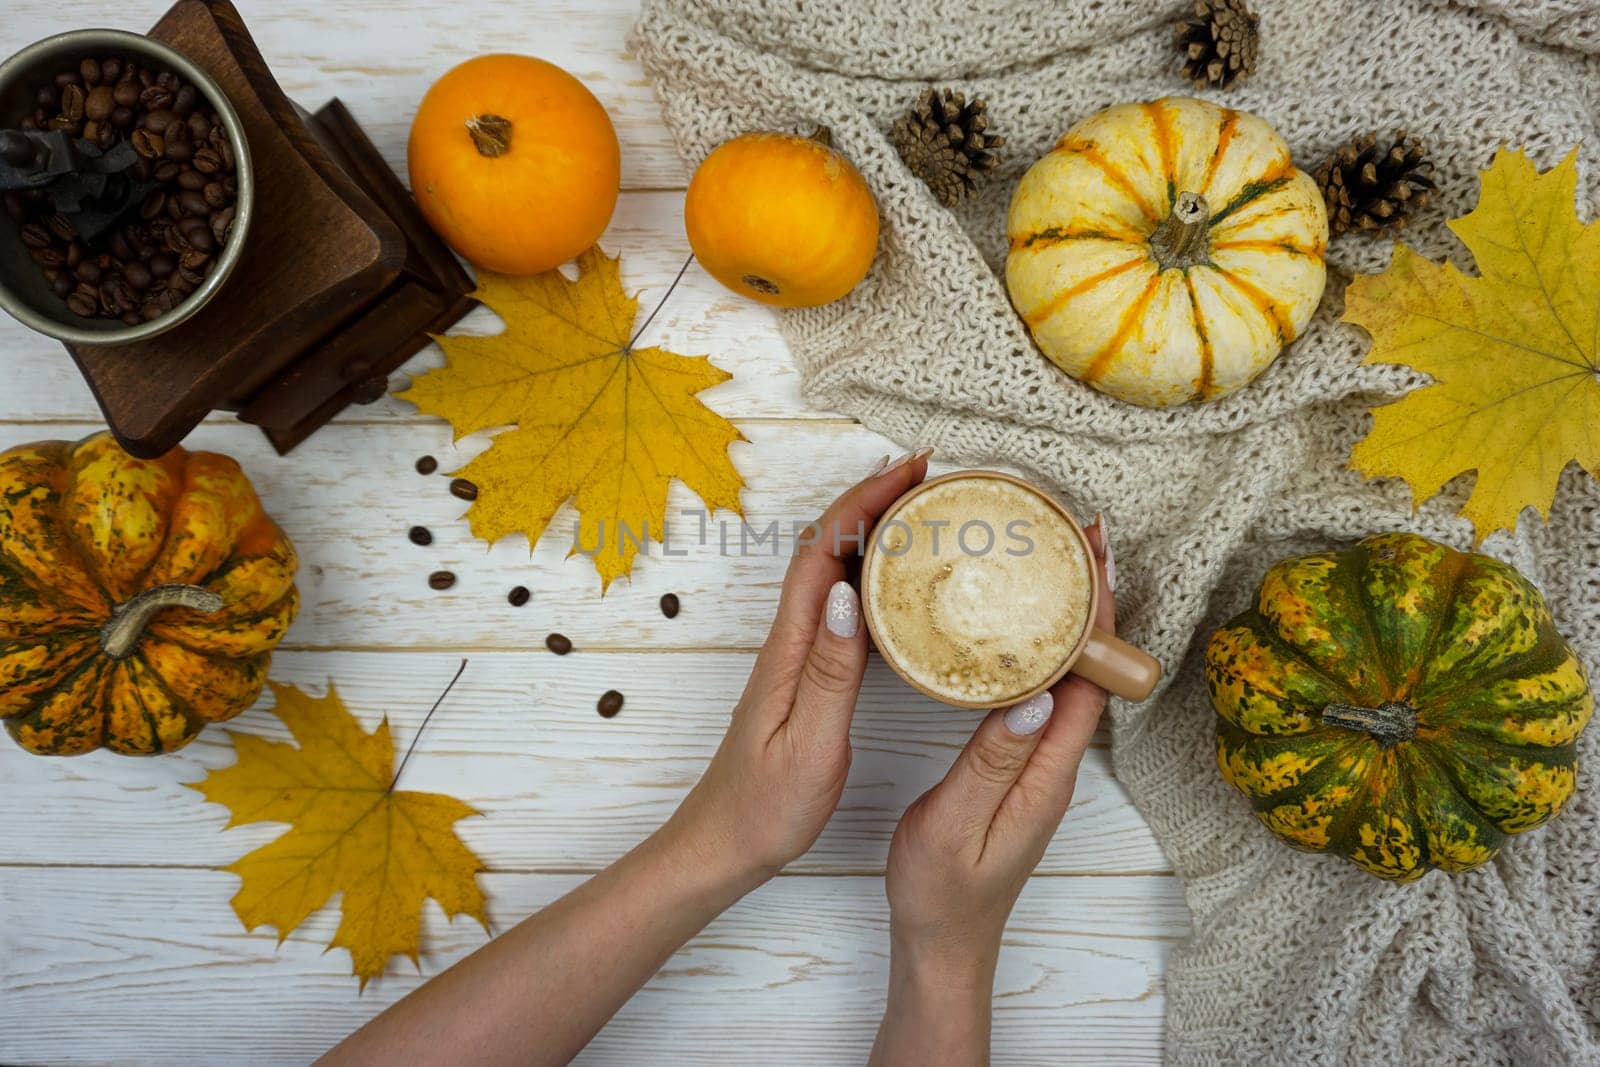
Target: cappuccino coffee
977,589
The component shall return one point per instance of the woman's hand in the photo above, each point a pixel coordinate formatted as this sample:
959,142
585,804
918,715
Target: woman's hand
962,854
778,775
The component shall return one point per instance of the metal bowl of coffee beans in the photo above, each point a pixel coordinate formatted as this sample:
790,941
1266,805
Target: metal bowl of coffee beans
126,185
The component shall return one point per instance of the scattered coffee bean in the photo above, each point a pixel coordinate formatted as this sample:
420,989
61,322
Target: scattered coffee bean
421,535
427,465
464,489
519,596
441,580
560,644
610,704
669,605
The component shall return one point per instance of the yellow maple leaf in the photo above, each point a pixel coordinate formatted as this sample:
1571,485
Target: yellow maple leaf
596,420
350,832
1514,353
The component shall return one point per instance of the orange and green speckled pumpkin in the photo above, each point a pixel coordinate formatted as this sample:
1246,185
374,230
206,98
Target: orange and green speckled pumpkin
139,599
1401,704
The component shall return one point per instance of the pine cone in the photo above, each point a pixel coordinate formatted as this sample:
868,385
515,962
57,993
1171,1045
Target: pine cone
1371,188
946,142
1219,42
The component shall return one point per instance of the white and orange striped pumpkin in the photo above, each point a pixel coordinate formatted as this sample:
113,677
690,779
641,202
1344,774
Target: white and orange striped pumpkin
1167,251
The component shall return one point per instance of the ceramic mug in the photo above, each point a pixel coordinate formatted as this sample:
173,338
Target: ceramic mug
1098,656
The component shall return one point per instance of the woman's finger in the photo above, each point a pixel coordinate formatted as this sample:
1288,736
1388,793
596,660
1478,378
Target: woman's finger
818,561
1046,784
991,764
830,680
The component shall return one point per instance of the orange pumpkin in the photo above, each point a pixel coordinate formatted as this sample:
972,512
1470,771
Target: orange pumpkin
782,219
514,163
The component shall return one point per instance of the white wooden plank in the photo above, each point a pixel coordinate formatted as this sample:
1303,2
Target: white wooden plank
560,788
701,318
380,58
160,971
347,499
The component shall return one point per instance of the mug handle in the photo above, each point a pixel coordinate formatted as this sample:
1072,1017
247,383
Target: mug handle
1117,667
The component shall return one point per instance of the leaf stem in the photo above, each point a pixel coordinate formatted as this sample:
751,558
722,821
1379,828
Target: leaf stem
661,304
412,747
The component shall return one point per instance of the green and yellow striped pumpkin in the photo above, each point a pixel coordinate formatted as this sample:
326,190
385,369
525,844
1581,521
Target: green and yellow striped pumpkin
1400,703
1167,251
139,599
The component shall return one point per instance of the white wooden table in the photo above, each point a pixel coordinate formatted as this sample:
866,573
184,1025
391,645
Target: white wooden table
117,942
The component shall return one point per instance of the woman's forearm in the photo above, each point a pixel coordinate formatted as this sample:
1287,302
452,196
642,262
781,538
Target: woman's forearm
936,1012
543,990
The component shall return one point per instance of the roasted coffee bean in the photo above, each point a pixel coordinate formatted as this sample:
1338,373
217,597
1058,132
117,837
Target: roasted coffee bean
224,149
421,535
133,318
441,580
669,605
156,98
120,246
184,99
190,277
61,226
110,70
188,177
126,94
519,596
427,465
138,275
117,295
88,271
162,264
167,171
153,204
13,205
221,223
199,130
89,71
610,704
207,160
101,103
216,196
157,121
49,257
180,150
464,489
193,203
66,78
47,98
167,80
147,77
62,284
35,236
82,305
560,644
72,101
147,144
151,311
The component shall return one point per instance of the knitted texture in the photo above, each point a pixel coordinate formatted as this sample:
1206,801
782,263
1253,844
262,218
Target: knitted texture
1294,958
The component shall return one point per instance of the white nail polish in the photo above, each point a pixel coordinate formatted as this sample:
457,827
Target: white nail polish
877,468
843,616
1111,557
909,457
1030,716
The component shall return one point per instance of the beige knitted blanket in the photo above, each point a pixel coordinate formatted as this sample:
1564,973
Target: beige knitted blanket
1295,958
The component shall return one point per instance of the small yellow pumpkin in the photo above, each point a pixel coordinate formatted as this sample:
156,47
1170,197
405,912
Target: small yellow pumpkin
1167,251
782,219
139,599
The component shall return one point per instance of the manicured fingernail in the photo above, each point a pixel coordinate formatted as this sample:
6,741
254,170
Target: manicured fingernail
877,467
909,457
1111,556
844,610
1030,716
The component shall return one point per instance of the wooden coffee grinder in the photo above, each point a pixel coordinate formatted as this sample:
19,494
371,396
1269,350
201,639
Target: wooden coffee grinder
339,283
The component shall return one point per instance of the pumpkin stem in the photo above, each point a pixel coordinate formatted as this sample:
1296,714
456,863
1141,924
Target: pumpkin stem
1180,241
823,136
491,134
1390,722
121,635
